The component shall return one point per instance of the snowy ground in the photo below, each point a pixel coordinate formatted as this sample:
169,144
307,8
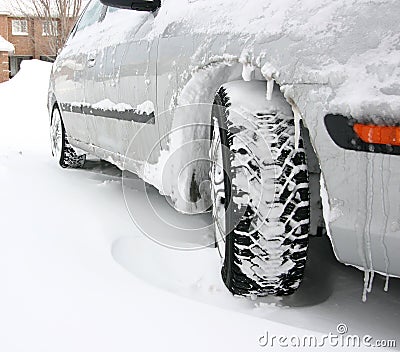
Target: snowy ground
76,274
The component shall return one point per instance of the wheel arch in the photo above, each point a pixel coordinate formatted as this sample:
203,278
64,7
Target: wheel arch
51,104
199,92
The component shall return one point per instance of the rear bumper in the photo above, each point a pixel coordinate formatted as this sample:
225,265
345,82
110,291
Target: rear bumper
362,210
364,207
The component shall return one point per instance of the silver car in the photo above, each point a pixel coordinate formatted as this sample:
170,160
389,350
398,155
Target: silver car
283,119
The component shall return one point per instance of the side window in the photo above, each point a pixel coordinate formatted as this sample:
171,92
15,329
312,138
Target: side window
112,9
92,14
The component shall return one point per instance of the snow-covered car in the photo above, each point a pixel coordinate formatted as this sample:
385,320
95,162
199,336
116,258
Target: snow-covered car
294,106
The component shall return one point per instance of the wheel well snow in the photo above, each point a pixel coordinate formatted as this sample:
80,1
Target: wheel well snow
208,81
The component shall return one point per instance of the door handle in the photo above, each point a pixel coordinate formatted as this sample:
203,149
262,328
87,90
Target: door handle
91,59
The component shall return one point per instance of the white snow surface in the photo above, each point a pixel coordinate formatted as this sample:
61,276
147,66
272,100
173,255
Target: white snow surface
6,45
78,275
146,108
107,104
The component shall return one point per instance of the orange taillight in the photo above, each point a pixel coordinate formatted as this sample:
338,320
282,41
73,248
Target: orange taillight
378,134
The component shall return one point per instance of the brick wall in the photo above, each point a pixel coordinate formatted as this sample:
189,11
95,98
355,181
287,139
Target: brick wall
43,44
23,43
4,26
4,73
34,44
4,65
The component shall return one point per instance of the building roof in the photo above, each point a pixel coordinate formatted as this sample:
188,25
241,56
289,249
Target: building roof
4,7
12,9
6,46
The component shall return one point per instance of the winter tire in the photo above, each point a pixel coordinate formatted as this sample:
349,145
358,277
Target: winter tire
61,150
260,191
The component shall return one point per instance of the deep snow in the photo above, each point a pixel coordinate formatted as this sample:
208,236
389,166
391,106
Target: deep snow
76,274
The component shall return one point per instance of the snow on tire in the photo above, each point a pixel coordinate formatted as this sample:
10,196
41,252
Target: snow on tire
63,152
265,194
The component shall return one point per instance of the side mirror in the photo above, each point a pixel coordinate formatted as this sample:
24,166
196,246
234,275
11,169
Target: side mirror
138,5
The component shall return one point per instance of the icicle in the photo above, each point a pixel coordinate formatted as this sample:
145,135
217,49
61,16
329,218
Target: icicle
326,209
366,284
368,281
385,228
248,67
247,73
270,88
367,231
371,280
386,288
270,73
297,118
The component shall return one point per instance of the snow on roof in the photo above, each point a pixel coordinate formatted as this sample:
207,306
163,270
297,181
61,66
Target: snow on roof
6,46
12,8
4,7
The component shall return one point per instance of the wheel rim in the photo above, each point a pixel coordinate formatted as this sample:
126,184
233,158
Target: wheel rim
218,190
56,135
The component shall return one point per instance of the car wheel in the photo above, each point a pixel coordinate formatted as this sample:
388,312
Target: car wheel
61,150
260,192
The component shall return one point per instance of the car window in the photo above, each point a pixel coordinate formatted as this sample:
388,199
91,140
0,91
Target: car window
92,14
112,9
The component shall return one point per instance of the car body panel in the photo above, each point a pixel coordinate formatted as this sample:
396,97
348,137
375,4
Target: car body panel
361,207
327,58
69,84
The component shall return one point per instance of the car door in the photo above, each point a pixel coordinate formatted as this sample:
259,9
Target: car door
70,74
121,86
